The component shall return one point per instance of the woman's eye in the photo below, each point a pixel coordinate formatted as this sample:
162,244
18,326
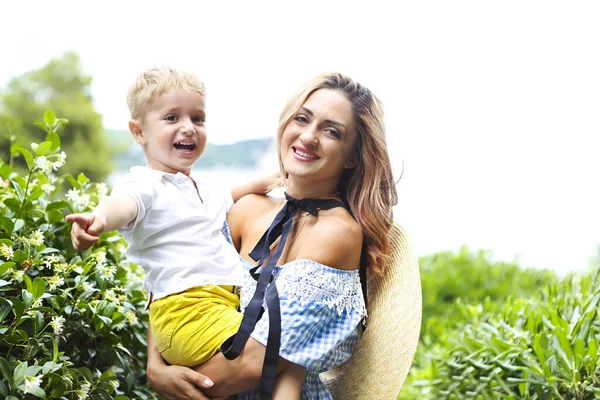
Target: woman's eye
333,133
302,119
171,118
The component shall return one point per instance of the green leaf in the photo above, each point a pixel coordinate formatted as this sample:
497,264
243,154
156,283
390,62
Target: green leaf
537,348
5,267
27,297
5,307
593,351
39,287
7,224
49,118
6,370
107,376
28,283
19,190
3,390
5,170
43,148
19,372
19,256
58,385
19,223
53,138
40,125
82,179
36,391
57,205
26,154
54,350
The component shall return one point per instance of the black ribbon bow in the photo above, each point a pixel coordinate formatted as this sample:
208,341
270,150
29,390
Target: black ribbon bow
281,226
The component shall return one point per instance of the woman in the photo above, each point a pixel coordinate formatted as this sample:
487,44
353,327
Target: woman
331,145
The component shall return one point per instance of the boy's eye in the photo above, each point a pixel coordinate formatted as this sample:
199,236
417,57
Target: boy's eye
171,118
199,119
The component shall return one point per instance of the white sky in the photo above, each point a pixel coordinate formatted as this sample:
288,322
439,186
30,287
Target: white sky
493,108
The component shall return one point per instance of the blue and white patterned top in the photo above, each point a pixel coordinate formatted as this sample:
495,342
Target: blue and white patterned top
321,308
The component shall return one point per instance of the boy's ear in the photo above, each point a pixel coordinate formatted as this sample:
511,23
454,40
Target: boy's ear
136,131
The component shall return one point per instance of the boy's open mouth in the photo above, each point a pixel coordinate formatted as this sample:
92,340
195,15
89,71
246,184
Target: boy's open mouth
187,146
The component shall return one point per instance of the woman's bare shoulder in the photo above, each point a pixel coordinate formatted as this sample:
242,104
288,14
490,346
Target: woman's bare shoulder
336,241
256,204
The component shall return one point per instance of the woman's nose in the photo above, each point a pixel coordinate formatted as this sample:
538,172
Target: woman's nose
310,135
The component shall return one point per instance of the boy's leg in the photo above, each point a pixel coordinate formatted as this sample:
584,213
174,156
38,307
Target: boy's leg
288,385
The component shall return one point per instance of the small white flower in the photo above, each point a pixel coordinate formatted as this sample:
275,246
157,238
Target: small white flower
100,256
62,156
55,282
37,238
37,303
102,189
131,317
106,271
32,382
6,252
73,195
86,386
44,164
57,324
86,286
47,263
61,267
115,384
120,326
48,188
18,276
111,296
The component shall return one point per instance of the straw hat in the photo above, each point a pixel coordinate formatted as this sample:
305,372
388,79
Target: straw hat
384,354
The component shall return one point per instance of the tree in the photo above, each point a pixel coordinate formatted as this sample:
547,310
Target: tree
63,86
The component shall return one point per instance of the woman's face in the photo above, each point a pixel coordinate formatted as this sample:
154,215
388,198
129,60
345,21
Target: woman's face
317,143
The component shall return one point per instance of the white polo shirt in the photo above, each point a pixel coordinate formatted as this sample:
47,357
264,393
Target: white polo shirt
176,236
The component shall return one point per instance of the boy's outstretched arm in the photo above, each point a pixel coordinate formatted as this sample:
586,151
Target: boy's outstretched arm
112,213
260,185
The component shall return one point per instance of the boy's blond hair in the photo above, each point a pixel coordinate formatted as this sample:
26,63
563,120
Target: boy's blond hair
155,81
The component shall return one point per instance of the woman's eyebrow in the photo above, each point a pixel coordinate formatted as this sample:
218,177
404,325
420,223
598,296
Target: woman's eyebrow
329,121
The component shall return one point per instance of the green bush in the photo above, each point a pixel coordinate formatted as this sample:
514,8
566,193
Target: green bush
72,325
544,347
528,335
450,279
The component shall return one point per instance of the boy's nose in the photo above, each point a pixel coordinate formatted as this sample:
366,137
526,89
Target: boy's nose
187,127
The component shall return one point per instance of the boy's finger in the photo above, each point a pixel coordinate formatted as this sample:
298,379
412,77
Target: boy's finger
81,219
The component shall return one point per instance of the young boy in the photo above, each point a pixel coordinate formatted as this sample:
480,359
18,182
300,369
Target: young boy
172,223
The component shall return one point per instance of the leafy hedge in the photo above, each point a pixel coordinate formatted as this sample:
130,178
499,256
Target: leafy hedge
528,335
72,325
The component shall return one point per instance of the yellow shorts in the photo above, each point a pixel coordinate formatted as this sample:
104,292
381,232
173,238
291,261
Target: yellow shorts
189,327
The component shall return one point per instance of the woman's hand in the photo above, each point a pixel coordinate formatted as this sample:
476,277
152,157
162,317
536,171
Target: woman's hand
178,383
174,381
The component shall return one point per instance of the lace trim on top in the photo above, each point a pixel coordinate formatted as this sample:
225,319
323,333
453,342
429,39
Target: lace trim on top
310,282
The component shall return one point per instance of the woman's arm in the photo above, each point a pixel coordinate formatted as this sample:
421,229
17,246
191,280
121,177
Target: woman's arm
173,381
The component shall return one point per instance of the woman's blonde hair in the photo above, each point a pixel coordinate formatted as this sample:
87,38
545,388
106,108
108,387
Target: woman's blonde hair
155,81
368,188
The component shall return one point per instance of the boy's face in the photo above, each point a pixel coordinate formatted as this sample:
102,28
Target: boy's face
172,133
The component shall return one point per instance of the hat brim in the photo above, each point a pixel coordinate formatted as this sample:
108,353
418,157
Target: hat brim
383,356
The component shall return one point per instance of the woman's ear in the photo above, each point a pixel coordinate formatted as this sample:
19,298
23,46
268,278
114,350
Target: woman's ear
136,131
351,163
